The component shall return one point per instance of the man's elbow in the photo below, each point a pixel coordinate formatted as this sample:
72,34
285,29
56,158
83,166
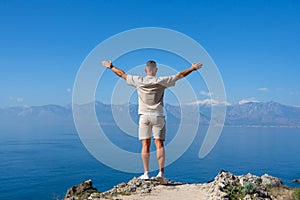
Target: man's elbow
124,76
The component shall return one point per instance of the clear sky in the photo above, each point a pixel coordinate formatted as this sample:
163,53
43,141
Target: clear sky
255,44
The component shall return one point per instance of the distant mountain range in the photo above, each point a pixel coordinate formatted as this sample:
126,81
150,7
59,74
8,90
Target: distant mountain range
263,114
242,114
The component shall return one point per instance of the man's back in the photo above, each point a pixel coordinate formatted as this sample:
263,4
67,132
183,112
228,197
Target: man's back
151,92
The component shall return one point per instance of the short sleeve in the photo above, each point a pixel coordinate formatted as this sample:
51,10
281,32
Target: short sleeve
132,80
168,81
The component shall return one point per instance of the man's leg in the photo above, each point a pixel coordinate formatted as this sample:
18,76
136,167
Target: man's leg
160,154
146,157
145,136
146,153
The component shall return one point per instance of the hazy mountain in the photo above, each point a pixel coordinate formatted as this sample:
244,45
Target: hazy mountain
263,114
242,114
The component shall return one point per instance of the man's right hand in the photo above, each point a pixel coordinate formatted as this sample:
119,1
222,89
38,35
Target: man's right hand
196,66
106,64
186,72
119,72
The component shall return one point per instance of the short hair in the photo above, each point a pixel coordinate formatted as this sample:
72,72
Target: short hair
151,65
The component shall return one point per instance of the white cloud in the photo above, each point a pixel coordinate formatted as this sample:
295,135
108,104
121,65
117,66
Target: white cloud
212,102
243,101
204,93
263,89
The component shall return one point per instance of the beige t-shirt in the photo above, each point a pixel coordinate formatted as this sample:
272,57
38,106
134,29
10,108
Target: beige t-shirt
151,92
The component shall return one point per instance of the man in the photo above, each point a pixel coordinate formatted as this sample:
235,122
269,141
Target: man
150,99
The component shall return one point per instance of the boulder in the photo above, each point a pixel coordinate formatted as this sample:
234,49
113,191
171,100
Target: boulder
271,181
81,191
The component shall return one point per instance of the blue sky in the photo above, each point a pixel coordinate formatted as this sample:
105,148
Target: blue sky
255,44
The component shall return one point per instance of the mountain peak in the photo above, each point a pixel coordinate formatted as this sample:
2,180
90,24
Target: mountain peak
209,102
245,101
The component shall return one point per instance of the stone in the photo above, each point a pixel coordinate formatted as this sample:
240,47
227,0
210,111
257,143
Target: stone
271,181
81,191
247,197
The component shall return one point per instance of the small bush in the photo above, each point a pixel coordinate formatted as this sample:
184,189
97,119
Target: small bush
239,192
296,194
234,192
259,180
268,187
249,188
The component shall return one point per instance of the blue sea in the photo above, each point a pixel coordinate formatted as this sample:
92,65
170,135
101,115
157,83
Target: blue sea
43,162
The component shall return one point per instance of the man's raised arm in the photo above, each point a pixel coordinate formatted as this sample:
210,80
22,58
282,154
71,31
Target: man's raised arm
186,72
119,72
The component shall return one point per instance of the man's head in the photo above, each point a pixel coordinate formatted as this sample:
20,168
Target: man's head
151,68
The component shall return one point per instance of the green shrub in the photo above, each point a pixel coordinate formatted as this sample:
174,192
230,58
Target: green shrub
234,192
239,192
296,194
259,180
249,188
268,187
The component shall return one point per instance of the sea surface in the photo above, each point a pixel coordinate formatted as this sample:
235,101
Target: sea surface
42,163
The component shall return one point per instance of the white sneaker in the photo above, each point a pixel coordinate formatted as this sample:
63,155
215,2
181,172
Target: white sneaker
144,176
161,178
160,174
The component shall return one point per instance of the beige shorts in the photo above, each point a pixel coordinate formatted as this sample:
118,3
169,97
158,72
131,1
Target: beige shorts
149,124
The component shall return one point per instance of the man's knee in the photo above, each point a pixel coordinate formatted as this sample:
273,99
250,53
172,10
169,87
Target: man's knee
159,143
146,144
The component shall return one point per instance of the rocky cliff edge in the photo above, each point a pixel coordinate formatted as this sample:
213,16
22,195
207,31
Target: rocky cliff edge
225,186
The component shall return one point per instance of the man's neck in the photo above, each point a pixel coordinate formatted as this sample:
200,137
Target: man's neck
150,75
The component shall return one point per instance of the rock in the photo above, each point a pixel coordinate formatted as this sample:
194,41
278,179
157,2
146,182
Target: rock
134,186
223,179
242,187
81,191
249,178
95,195
270,181
296,180
247,197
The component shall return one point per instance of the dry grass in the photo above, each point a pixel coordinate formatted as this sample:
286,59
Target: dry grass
282,193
